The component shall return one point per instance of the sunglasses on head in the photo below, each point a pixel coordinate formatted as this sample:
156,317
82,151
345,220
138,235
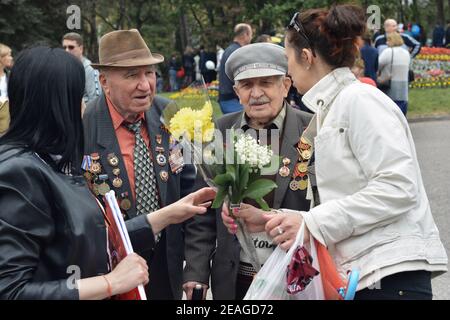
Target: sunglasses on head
297,25
70,47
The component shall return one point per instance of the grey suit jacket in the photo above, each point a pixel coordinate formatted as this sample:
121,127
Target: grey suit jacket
204,231
100,137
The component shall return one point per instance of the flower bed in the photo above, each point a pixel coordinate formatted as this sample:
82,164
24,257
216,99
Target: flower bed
431,68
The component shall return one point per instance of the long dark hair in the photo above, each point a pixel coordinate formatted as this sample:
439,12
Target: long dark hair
45,92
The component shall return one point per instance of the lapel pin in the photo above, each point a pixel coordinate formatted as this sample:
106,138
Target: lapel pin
113,160
164,175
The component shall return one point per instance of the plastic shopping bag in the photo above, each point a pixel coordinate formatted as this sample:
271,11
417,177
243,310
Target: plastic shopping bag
270,282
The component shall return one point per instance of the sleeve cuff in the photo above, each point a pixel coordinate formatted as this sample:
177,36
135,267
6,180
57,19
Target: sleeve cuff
141,234
313,227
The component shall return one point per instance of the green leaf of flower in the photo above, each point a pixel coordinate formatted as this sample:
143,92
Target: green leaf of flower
220,197
223,180
244,175
263,204
259,189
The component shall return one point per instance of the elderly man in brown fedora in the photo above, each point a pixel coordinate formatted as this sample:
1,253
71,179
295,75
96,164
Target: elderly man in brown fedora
128,151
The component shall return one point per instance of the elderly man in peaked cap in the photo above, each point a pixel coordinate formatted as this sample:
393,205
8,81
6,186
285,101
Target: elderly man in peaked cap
128,151
259,74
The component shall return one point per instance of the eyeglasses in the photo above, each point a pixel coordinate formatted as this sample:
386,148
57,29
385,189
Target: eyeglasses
70,47
299,28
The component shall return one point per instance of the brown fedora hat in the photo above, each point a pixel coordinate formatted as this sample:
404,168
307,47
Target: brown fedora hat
125,48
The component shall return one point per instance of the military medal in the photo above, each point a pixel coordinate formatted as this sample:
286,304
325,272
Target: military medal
285,171
95,157
303,184
164,175
125,204
302,167
86,166
96,168
117,182
103,188
294,185
306,154
158,139
113,160
161,160
176,160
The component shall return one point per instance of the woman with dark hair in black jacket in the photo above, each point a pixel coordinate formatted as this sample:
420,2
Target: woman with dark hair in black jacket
53,234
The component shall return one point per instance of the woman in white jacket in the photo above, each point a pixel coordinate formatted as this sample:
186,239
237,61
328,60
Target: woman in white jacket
373,213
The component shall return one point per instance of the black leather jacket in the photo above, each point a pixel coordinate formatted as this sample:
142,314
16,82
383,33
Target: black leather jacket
50,227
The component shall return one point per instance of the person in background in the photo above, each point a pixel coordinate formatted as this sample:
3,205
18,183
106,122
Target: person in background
52,227
369,56
370,210
438,36
73,43
390,26
174,66
263,38
228,99
189,66
219,55
358,71
209,72
416,32
159,80
399,59
6,63
447,35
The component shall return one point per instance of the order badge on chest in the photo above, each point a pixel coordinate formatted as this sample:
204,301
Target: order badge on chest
300,172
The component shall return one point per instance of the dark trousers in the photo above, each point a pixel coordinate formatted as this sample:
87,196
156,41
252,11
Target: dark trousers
158,287
413,285
242,285
403,105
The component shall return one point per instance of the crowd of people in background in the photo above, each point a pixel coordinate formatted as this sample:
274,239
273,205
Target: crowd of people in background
372,64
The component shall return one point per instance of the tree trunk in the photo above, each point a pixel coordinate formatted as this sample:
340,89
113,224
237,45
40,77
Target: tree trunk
401,15
416,12
91,41
440,14
185,35
122,15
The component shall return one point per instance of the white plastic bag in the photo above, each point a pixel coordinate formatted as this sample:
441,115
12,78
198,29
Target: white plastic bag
270,282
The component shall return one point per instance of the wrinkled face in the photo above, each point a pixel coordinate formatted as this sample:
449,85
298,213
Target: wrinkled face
73,48
131,89
6,61
263,97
